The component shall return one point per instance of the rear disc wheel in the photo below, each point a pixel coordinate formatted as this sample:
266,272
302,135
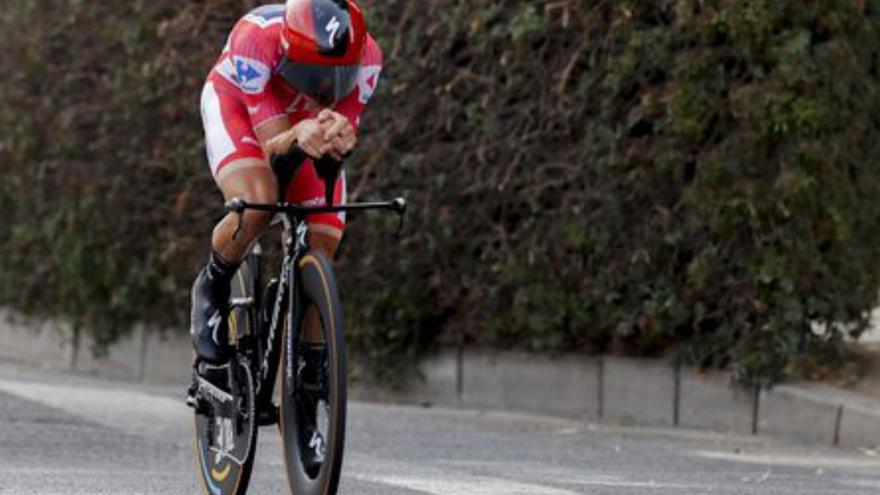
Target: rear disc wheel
225,446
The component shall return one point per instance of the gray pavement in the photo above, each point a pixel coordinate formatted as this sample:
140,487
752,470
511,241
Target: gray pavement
73,435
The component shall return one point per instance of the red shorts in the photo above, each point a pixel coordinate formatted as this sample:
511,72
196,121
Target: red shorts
229,137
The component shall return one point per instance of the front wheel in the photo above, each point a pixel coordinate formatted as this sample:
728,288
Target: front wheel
313,418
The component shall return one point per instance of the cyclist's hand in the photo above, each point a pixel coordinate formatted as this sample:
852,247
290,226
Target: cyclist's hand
338,132
310,138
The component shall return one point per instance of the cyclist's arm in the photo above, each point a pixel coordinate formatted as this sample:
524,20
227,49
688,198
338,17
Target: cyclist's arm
249,67
272,125
344,120
278,136
353,105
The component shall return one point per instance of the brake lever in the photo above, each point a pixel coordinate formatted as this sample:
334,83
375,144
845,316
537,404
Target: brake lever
399,206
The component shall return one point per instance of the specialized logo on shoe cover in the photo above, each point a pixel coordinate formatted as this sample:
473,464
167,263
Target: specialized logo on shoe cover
214,325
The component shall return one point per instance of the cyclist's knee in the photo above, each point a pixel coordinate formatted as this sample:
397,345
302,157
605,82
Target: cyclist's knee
256,222
253,181
265,194
259,190
249,178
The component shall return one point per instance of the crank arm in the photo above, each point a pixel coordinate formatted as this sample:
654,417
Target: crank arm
226,455
213,391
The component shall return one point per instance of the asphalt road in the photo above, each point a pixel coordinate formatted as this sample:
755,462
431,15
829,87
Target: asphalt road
72,435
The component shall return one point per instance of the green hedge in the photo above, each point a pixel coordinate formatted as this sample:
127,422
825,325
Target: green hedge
688,178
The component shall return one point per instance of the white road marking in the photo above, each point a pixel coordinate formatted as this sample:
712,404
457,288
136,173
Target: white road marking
839,460
570,476
46,473
463,485
862,483
454,477
134,412
439,481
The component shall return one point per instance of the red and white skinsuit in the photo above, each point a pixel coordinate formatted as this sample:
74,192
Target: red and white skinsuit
243,92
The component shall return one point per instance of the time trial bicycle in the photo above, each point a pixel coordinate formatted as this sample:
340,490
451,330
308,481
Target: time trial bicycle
266,330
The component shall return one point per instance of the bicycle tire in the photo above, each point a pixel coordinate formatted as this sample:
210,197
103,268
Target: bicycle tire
220,475
318,288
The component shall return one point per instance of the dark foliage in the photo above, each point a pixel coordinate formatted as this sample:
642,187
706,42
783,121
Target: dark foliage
696,177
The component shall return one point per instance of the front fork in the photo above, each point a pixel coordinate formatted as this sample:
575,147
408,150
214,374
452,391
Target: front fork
297,245
280,300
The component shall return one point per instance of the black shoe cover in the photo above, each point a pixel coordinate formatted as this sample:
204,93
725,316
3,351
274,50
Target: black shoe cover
209,319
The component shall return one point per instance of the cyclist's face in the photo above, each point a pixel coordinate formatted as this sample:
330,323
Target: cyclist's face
325,84
323,102
325,87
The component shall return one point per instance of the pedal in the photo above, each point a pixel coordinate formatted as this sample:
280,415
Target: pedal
268,415
194,402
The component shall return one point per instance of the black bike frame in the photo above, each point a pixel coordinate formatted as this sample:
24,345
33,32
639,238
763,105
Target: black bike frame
295,241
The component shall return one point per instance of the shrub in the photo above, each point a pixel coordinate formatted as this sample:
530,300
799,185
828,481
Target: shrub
696,178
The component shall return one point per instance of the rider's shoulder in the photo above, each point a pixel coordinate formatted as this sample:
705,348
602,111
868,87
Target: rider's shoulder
258,27
265,16
256,34
251,52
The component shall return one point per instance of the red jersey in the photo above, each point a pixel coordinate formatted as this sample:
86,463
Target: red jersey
247,67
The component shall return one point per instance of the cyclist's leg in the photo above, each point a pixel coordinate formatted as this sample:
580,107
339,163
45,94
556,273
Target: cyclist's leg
240,169
252,180
328,245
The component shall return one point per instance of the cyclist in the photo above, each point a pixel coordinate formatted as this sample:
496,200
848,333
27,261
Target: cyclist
296,73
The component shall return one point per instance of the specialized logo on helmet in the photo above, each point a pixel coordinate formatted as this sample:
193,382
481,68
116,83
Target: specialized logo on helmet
251,75
332,28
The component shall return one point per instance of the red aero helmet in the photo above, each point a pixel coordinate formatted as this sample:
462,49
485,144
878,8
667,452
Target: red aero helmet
322,43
